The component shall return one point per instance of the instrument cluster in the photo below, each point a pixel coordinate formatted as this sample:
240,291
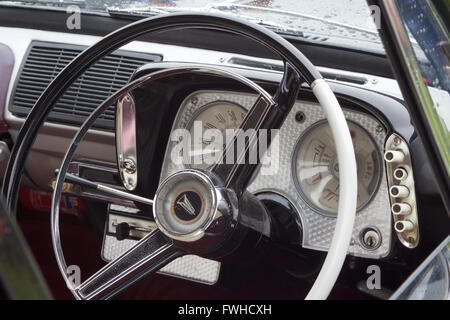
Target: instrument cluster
300,165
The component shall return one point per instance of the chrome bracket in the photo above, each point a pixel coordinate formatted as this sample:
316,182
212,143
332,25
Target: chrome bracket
126,141
104,169
402,191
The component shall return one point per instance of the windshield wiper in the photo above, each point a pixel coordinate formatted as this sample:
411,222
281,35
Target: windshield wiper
233,6
138,13
142,12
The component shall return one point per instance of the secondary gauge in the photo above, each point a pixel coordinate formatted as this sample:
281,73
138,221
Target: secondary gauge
316,167
217,117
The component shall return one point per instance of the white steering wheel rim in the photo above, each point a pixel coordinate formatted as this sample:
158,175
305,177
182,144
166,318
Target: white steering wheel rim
348,192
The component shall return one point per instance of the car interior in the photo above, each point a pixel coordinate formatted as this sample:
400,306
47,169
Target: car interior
224,150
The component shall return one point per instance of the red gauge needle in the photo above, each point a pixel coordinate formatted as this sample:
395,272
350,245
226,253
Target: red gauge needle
328,195
316,179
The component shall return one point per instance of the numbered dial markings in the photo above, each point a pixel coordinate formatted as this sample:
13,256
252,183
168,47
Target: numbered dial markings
208,131
317,170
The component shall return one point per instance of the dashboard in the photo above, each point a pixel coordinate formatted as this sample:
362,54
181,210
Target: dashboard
300,165
304,172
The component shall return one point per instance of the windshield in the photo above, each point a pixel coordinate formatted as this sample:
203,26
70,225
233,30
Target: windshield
343,22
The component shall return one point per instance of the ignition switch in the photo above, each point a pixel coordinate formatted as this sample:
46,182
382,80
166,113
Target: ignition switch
371,238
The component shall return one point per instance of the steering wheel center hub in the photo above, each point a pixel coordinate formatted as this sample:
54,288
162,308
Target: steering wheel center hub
185,204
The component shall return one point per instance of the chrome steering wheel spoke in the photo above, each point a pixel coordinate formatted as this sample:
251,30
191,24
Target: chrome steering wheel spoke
236,166
148,255
107,189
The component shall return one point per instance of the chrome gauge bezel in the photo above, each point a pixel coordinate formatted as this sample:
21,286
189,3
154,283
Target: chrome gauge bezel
202,109
298,185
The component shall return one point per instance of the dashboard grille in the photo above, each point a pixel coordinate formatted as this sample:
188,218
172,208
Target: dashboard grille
43,62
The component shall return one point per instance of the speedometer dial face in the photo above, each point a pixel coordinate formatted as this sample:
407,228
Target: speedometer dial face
220,116
317,170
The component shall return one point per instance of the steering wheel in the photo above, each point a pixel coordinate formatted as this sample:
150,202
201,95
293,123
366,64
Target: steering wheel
218,225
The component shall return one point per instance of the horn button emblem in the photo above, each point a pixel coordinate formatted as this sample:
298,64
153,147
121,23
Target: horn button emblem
185,204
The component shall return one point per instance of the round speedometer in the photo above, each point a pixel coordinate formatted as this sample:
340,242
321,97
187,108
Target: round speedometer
219,116
317,170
